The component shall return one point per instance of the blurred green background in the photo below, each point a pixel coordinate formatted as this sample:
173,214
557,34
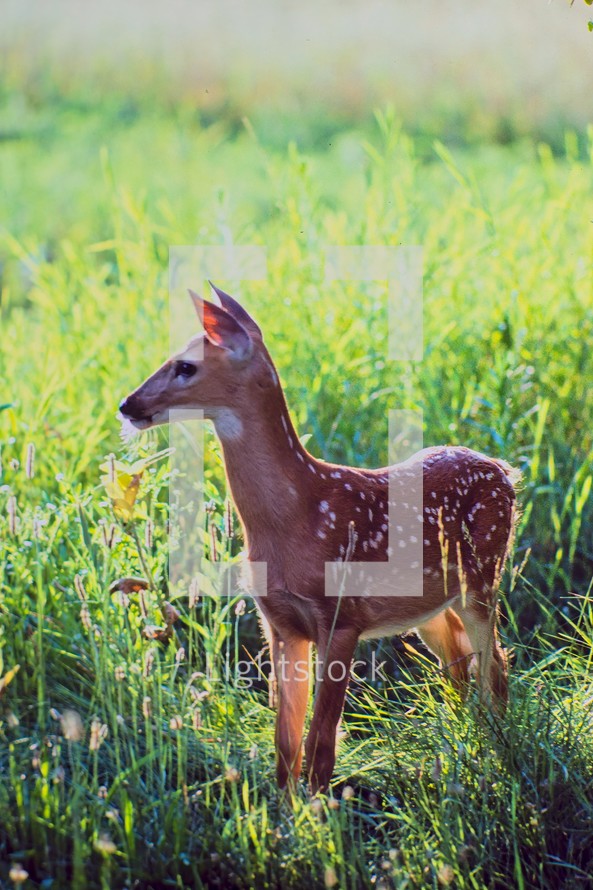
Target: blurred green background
125,129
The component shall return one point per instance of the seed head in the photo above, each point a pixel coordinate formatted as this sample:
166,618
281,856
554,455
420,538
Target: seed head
105,845
317,807
85,617
148,534
17,874
99,733
330,877
30,462
232,774
194,592
148,662
228,520
11,508
79,585
72,728
213,543
445,875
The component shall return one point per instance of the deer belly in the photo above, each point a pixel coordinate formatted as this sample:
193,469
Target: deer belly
395,628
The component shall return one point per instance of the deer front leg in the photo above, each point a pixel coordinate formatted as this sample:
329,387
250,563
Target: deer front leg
334,660
290,658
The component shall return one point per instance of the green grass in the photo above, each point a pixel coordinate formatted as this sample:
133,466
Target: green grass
178,790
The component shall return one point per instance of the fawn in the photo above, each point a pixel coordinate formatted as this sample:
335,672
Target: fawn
299,513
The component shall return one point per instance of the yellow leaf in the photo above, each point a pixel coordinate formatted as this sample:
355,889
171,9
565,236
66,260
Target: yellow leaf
8,677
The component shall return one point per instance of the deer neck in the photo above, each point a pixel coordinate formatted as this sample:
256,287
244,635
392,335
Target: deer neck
268,470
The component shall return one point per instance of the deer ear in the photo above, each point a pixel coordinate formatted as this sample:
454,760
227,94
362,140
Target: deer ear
236,310
222,329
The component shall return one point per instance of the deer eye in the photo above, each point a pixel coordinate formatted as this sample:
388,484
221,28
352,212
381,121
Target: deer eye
185,369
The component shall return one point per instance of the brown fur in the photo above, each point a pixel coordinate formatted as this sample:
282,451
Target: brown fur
278,488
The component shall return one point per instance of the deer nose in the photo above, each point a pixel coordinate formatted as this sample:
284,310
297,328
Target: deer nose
129,408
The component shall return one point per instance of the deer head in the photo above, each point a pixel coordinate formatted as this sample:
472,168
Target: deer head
217,372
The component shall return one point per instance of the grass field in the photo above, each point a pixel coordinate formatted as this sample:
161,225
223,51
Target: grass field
127,759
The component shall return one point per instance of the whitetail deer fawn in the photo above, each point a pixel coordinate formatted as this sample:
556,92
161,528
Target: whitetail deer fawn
299,512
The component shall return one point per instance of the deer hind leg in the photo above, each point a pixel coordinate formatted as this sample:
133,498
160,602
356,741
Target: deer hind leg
480,620
291,665
446,636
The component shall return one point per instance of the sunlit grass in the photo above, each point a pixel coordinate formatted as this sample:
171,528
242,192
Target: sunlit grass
125,753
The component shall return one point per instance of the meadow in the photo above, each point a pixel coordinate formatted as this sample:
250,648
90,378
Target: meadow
128,758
